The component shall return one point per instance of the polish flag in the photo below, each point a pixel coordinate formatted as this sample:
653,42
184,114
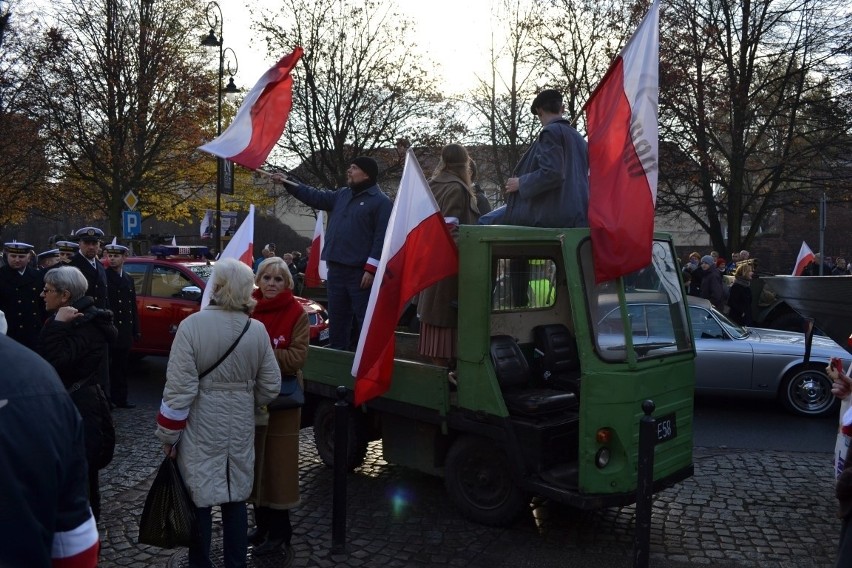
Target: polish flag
240,247
806,256
77,547
418,251
621,119
261,118
317,270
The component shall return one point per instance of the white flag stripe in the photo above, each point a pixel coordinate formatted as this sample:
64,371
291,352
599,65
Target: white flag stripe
641,79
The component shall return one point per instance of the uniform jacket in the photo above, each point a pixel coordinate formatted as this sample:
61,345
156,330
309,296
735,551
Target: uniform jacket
95,276
554,181
122,301
45,510
20,300
277,442
454,200
214,417
356,223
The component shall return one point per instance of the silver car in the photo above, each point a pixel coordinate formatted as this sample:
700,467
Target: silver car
732,360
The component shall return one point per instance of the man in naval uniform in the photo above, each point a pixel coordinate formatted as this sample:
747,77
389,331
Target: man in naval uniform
87,261
67,250
122,302
20,294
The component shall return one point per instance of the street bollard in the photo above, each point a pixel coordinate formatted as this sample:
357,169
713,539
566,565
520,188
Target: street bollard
645,486
338,507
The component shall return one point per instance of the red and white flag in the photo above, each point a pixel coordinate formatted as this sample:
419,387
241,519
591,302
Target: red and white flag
261,118
621,118
317,270
418,251
806,256
240,247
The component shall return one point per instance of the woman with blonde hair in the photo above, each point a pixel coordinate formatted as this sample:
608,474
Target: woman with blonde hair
276,440
740,296
221,367
451,186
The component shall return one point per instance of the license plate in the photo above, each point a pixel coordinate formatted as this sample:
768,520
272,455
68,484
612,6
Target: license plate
324,335
666,428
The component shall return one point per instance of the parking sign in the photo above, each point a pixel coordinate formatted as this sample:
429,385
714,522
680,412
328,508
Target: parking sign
131,223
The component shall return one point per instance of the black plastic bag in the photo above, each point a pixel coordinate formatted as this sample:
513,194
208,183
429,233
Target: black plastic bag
169,517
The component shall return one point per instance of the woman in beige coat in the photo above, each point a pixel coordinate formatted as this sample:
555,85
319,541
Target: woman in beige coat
451,186
276,485
213,416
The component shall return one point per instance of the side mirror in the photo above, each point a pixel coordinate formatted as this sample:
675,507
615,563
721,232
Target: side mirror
191,293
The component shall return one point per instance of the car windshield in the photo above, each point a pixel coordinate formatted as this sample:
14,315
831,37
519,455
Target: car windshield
652,320
202,270
735,330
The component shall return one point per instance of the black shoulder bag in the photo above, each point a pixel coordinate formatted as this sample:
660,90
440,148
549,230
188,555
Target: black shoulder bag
228,352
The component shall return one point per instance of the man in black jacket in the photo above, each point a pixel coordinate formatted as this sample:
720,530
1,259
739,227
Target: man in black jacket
20,294
86,260
45,515
122,302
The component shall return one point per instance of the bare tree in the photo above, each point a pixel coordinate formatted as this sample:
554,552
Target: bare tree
359,87
122,94
754,101
501,98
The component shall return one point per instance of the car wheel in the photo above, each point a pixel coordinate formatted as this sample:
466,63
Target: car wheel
324,436
806,391
479,481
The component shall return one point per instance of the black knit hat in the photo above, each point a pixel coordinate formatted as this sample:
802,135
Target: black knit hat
368,166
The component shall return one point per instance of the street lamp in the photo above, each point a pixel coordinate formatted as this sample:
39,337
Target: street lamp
223,168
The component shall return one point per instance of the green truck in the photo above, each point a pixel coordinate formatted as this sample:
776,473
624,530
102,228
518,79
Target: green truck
552,371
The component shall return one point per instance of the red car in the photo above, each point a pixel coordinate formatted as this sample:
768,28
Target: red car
169,287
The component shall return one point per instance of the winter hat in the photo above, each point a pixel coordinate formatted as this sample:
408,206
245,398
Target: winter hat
368,166
708,259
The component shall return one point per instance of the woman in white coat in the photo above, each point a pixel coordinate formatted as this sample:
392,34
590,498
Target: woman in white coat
214,416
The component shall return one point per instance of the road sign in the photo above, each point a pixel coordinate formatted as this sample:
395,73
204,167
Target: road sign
131,200
132,223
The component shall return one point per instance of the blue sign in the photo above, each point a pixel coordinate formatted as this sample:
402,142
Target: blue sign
132,223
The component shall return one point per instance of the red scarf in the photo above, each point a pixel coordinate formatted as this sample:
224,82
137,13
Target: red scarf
278,315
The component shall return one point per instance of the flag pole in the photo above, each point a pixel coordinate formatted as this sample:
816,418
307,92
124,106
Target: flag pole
285,180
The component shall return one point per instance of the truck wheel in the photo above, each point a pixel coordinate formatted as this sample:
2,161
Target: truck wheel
479,481
806,391
324,436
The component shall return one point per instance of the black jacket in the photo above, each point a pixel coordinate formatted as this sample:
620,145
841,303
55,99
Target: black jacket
21,302
122,301
95,276
42,462
79,349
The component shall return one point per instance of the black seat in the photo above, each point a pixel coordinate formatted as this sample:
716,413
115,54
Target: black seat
513,374
557,361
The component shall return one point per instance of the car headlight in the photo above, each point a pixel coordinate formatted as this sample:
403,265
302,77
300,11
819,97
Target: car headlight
602,458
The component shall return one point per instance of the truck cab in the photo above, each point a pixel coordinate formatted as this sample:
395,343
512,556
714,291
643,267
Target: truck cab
551,374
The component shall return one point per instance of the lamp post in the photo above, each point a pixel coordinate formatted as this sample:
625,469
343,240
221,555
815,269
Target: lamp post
215,20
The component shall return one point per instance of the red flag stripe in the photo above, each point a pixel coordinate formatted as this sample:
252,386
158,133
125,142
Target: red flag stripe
76,548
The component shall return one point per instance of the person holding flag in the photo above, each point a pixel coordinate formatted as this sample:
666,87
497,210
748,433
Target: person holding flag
357,220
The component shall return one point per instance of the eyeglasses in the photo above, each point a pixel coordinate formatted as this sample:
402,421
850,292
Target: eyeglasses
48,291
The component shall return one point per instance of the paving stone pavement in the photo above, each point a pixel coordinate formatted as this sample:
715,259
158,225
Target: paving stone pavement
741,509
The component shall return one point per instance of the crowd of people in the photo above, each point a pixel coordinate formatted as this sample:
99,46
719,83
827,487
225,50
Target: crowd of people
75,320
